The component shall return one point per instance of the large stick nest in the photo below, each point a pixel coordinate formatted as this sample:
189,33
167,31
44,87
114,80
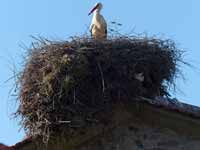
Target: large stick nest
64,83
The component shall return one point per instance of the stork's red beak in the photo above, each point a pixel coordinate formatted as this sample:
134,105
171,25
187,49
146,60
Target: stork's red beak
93,9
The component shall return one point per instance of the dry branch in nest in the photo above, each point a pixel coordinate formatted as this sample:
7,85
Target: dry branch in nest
64,83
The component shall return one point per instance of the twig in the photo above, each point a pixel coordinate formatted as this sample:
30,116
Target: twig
102,77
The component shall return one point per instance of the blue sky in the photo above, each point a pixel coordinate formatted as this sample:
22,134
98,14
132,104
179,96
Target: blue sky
59,19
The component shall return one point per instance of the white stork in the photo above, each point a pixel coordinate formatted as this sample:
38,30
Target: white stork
98,27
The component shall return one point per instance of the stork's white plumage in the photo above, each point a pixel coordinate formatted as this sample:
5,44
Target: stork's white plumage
98,27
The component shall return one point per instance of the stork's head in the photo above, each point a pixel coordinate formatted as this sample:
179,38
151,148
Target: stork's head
97,7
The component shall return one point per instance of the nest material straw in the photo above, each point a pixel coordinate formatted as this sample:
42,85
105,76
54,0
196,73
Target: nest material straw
64,83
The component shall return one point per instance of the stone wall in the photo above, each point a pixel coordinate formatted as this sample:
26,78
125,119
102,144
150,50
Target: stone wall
148,128
138,136
134,127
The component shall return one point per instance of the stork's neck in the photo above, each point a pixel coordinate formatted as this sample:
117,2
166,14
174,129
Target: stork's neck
97,11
